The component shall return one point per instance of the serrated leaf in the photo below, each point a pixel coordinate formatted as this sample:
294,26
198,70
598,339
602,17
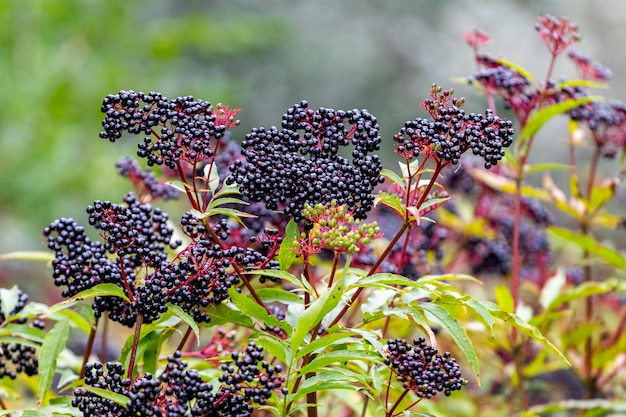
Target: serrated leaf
102,290
118,399
540,117
325,341
393,201
224,313
314,314
583,290
449,323
289,246
276,347
328,358
250,307
526,328
184,316
278,294
391,176
42,256
589,244
283,275
52,346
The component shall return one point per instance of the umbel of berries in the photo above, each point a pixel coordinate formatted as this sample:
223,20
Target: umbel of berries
302,163
180,392
181,129
422,369
132,255
16,358
452,132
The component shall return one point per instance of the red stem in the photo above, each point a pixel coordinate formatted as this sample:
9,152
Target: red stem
133,351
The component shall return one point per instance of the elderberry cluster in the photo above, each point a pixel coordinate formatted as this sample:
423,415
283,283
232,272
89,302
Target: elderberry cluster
452,133
176,392
422,369
301,162
250,377
181,128
17,357
145,182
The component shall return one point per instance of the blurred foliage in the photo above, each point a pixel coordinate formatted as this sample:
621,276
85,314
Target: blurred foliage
61,57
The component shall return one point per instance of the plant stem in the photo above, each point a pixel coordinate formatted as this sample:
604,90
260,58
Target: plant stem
133,350
397,403
88,348
183,341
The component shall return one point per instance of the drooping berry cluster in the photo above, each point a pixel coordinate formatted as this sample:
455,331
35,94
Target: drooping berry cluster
301,163
147,186
179,129
250,378
422,369
176,392
453,132
138,236
17,358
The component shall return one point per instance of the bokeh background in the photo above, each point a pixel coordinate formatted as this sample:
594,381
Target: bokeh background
59,58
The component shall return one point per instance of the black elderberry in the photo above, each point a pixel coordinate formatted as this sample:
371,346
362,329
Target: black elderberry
422,369
183,128
18,358
145,182
301,163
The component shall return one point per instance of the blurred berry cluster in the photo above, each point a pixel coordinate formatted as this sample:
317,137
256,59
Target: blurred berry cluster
17,358
301,163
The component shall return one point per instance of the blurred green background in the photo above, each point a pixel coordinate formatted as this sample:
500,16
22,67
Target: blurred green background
59,58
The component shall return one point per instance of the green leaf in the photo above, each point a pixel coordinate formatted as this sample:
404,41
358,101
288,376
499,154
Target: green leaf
441,316
328,358
216,202
589,244
283,275
53,345
326,341
540,117
504,298
313,315
276,347
289,246
179,185
520,70
391,176
151,354
184,316
583,290
433,201
76,319
102,290
40,256
250,307
393,201
118,399
224,313
277,294
580,83
546,167
8,300
526,328
232,214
